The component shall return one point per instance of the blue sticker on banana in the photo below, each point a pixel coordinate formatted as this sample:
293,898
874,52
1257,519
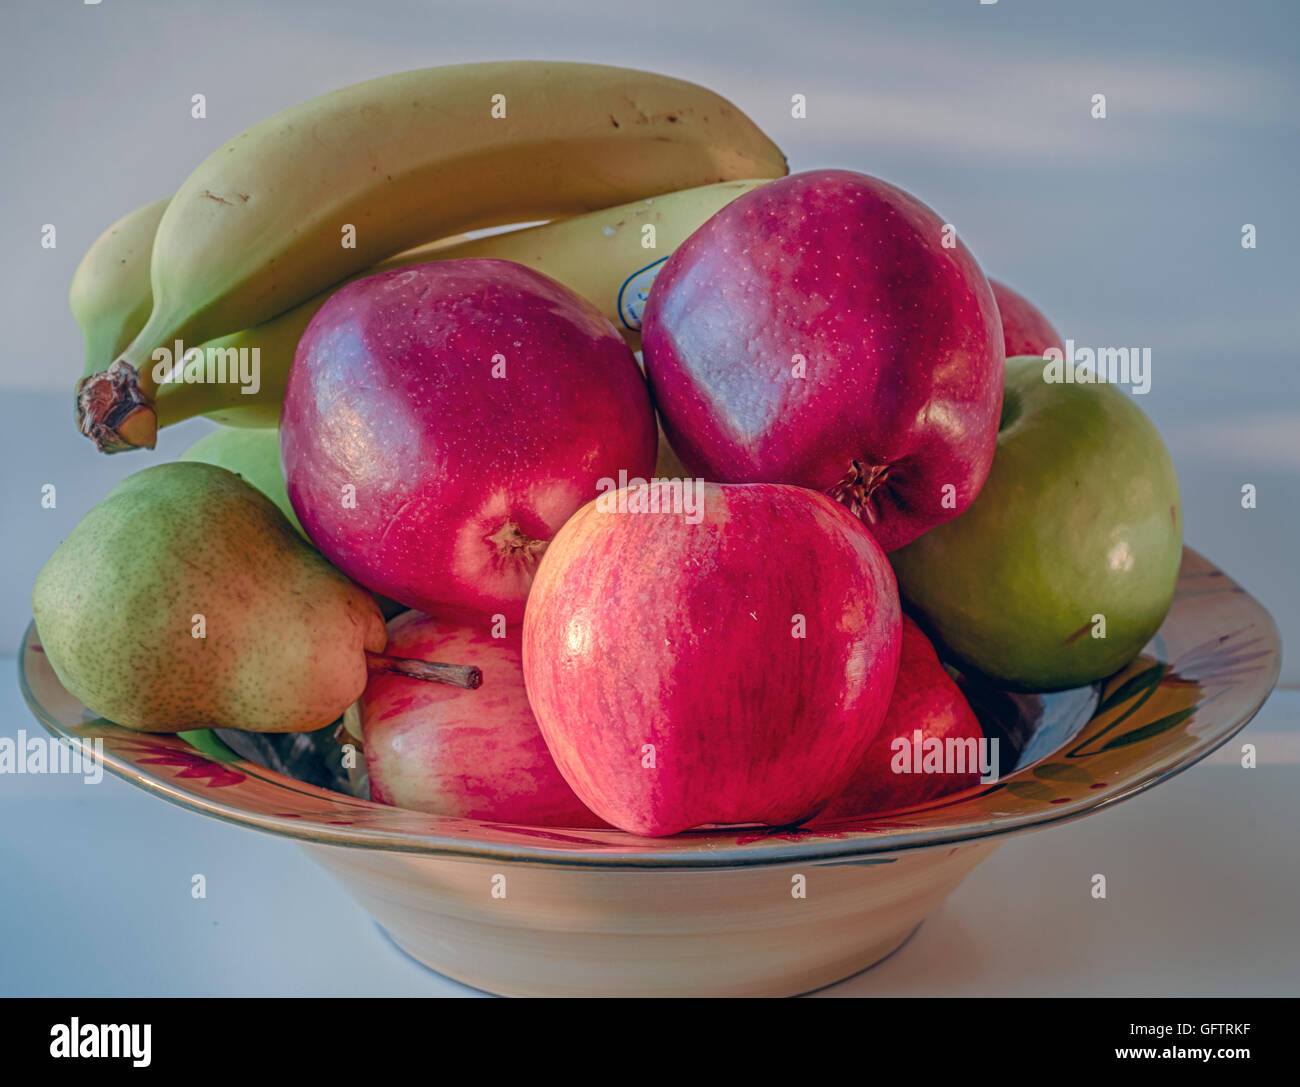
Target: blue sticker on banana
634,292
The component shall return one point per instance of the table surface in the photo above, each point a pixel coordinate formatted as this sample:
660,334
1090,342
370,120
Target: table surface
1203,878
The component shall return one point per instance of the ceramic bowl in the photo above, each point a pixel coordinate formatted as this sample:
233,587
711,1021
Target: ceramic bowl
744,911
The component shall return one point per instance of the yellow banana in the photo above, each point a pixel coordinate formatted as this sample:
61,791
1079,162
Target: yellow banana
609,257
111,309
324,189
110,295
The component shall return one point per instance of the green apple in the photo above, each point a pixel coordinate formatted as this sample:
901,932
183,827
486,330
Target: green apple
251,452
1064,566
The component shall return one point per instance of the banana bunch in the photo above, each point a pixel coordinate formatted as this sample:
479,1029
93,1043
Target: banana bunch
608,257
324,190
110,295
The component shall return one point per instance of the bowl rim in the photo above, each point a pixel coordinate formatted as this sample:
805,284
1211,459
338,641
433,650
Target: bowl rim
857,841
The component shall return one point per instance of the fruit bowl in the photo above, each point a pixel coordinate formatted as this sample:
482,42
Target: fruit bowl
743,911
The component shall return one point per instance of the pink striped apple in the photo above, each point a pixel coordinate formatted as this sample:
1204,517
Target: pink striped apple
721,661
476,754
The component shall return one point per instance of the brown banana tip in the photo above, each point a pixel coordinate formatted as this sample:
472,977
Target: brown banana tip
114,413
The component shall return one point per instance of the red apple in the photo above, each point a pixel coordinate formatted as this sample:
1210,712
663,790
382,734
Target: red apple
819,331
442,421
1025,331
925,698
473,754
725,666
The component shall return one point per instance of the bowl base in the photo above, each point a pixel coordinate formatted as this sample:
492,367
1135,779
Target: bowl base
549,930
471,983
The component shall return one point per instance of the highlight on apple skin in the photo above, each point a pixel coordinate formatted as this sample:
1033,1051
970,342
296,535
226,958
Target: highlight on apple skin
927,699
720,668
442,421
473,754
829,330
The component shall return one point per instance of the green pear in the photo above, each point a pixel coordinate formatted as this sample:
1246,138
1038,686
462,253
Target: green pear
185,600
254,453
1065,564
251,452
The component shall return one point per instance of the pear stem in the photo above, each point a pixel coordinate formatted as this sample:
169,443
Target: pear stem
467,676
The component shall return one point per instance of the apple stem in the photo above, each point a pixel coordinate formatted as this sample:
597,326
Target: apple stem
856,488
467,676
510,542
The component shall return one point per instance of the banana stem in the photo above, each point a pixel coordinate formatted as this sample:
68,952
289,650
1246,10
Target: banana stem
114,412
466,676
